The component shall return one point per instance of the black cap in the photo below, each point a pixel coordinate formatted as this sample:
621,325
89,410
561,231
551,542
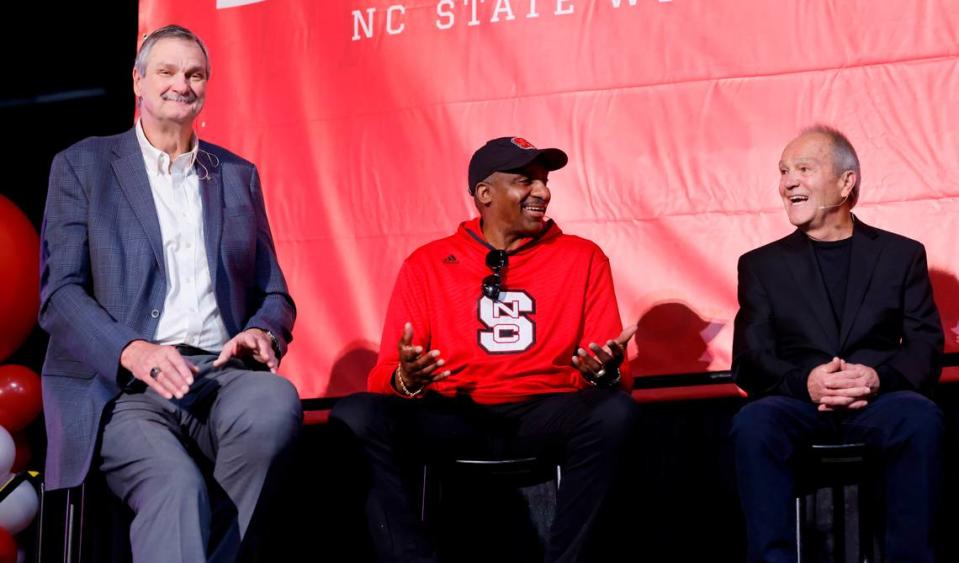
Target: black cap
509,153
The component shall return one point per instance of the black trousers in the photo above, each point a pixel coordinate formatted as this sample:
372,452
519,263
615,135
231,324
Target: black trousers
587,432
905,430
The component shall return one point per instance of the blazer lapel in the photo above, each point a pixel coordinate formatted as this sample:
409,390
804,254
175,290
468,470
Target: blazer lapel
862,264
211,194
132,176
802,263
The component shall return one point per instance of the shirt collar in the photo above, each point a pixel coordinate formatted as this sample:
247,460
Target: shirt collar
158,162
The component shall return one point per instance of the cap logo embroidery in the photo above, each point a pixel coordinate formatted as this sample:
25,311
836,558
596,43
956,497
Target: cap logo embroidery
522,143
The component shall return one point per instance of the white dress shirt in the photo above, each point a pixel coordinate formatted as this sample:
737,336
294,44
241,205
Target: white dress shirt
190,313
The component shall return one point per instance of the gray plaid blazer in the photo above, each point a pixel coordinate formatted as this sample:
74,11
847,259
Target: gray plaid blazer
102,279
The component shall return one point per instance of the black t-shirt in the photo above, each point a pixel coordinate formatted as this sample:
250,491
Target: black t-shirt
833,259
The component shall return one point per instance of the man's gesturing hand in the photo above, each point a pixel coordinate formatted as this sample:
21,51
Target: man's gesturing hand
417,368
162,368
603,368
253,342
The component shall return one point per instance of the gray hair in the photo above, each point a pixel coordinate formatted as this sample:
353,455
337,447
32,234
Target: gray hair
844,156
167,32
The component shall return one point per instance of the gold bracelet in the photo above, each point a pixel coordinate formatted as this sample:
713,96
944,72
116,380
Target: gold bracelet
401,386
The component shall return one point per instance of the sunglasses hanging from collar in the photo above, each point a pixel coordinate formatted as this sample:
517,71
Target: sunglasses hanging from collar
496,260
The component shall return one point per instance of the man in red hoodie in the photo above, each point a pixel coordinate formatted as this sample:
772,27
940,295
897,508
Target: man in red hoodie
489,349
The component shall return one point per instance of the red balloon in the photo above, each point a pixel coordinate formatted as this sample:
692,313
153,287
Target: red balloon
8,547
20,282
23,453
20,400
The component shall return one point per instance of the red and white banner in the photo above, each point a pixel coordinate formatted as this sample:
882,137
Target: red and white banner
362,115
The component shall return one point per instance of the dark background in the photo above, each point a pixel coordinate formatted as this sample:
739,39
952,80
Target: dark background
66,76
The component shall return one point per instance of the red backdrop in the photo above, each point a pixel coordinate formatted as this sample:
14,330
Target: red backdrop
362,115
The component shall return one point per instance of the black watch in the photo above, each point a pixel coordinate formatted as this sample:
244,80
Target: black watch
274,342
609,378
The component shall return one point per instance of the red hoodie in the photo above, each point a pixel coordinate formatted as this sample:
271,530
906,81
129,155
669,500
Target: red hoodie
557,296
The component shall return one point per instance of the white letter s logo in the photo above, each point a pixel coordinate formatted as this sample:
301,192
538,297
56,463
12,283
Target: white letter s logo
510,330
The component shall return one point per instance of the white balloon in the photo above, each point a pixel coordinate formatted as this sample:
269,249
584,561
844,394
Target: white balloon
8,451
18,508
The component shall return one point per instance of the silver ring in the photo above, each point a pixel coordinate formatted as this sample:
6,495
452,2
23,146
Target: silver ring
601,373
154,372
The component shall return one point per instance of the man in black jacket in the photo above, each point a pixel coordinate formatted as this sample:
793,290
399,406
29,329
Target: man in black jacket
837,336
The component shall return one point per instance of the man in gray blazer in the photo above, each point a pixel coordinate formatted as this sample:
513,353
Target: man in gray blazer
167,313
